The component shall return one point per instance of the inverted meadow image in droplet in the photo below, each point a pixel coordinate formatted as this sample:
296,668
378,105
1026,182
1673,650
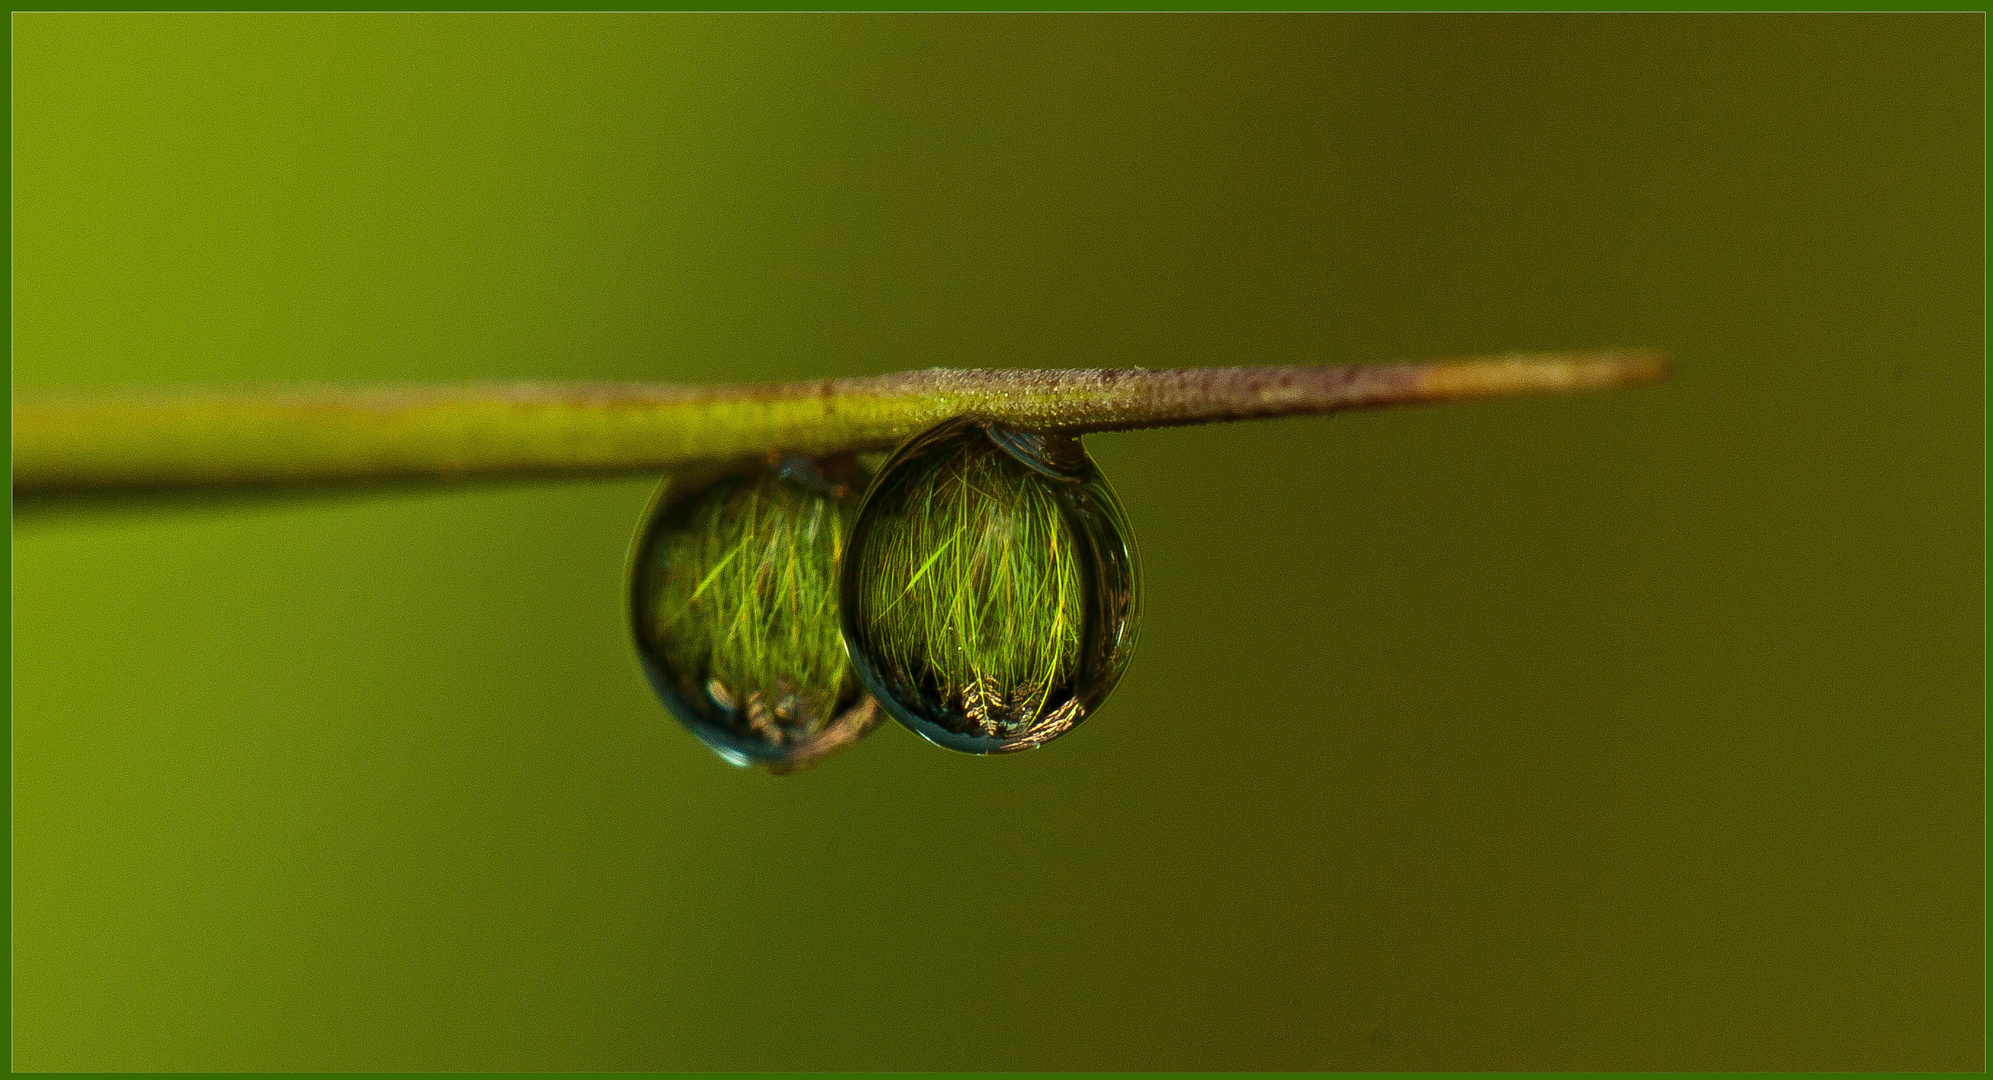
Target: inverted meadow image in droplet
733,605
991,590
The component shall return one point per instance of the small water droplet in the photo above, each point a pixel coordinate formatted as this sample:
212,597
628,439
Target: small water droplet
733,604
990,592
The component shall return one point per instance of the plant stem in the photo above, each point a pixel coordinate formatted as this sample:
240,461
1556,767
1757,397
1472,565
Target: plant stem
190,442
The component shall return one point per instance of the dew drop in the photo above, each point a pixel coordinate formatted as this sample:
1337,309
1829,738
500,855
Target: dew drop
991,588
733,603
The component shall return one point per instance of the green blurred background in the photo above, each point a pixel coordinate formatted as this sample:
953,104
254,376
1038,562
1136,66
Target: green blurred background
1633,730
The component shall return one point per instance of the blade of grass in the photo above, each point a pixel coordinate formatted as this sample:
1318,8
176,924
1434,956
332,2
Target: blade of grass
174,445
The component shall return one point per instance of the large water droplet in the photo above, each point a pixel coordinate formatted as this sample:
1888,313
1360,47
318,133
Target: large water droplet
733,602
991,589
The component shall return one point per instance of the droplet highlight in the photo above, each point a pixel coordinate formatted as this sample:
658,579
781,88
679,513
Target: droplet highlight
733,605
991,590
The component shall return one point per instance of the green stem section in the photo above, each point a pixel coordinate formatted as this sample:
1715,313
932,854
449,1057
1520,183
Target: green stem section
166,444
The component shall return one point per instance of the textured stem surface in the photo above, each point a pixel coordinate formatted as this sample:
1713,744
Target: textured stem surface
188,442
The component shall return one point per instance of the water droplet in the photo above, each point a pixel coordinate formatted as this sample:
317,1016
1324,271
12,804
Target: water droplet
733,602
991,589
